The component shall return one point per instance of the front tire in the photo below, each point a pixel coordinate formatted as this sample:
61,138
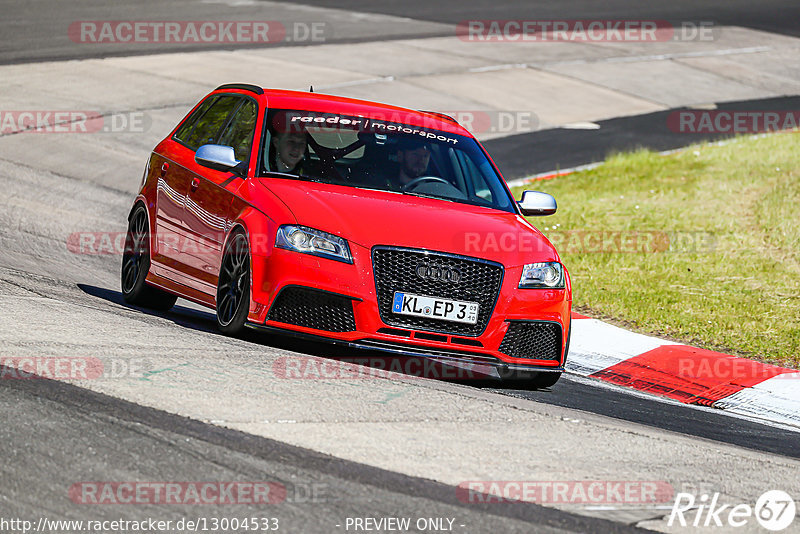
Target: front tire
548,380
233,288
545,380
136,264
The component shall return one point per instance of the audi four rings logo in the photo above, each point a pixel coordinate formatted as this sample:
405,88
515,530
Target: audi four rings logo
438,272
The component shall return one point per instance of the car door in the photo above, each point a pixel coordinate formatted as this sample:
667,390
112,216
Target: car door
208,203
175,245
173,181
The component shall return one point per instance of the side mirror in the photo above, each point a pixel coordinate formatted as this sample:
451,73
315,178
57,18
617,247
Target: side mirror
536,203
217,157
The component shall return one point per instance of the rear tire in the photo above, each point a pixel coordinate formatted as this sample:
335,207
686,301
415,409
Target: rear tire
136,265
233,288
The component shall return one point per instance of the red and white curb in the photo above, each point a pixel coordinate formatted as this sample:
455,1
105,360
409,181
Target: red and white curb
679,372
682,373
551,174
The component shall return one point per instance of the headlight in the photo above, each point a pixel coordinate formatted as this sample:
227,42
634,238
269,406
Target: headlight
542,275
314,242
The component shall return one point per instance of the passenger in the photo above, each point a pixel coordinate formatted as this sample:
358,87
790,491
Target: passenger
287,149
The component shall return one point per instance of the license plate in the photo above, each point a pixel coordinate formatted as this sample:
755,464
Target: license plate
435,308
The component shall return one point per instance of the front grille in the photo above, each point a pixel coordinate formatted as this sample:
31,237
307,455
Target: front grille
537,340
396,270
313,309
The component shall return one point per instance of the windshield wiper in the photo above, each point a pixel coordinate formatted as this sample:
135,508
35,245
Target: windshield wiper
423,195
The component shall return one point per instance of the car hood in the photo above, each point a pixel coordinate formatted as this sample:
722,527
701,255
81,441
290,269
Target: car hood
367,218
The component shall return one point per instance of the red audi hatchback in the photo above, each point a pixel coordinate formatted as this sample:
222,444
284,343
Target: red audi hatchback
348,221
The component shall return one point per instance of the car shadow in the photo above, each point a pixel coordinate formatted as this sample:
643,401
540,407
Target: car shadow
206,321
180,315
381,363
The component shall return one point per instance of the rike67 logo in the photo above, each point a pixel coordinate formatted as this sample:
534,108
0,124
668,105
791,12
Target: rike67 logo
774,510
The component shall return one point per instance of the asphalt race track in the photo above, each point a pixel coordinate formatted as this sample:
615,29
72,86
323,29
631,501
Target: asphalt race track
320,493
777,16
36,31
542,151
188,404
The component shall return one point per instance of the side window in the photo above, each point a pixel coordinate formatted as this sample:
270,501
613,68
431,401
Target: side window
477,182
239,133
211,123
186,128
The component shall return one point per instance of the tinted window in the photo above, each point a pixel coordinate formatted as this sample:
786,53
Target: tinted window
211,123
475,180
374,153
239,133
186,128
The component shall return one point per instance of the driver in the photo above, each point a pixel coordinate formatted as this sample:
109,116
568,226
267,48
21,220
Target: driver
287,149
413,155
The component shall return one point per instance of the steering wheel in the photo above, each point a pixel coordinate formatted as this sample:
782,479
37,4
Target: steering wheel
421,179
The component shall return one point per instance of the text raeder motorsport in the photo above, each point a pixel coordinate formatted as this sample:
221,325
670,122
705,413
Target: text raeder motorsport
368,125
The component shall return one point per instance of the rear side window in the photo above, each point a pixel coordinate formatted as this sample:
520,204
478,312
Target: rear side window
186,128
210,124
239,133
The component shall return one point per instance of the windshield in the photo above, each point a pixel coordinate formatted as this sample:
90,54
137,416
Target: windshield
372,154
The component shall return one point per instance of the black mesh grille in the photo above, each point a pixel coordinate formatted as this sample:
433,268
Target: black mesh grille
396,270
534,340
313,309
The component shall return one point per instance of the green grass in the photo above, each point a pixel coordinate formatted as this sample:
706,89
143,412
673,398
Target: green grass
723,268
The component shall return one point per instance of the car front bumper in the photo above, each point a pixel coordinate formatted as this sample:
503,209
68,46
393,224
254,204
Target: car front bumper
354,283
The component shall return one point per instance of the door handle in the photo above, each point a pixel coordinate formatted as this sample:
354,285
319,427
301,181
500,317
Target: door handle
195,184
164,169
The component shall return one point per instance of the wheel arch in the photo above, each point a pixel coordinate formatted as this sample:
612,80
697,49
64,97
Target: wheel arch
141,200
238,227
254,222
260,230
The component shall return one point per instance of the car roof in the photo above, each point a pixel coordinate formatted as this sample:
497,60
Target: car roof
320,102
